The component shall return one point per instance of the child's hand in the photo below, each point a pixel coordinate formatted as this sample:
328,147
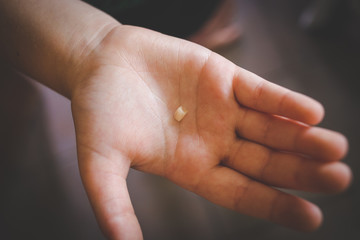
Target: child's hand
241,135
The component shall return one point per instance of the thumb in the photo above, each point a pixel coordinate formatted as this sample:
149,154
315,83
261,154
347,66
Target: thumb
104,179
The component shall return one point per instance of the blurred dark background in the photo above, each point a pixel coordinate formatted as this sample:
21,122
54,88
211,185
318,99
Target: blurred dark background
309,46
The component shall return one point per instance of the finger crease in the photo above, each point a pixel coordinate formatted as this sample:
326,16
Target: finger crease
266,163
282,102
267,128
240,192
240,127
258,91
238,151
271,214
296,140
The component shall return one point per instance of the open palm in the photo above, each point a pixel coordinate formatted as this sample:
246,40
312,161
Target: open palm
242,135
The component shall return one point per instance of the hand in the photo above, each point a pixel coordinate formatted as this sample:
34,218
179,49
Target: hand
242,135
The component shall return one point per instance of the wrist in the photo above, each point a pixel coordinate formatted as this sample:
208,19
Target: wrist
82,56
48,40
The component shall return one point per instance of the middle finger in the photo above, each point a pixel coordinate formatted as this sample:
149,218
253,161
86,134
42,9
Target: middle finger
289,135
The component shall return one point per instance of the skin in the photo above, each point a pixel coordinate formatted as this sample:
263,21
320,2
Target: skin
241,137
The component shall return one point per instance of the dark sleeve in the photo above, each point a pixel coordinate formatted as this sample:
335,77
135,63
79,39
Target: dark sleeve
178,18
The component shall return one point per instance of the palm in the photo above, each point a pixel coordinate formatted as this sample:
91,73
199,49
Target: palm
123,118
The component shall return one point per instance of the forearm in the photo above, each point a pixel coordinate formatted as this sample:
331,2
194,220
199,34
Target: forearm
48,39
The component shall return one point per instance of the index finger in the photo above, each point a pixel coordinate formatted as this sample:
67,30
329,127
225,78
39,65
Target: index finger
255,92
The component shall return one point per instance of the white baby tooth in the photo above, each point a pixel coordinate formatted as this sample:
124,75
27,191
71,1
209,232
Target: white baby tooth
180,113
